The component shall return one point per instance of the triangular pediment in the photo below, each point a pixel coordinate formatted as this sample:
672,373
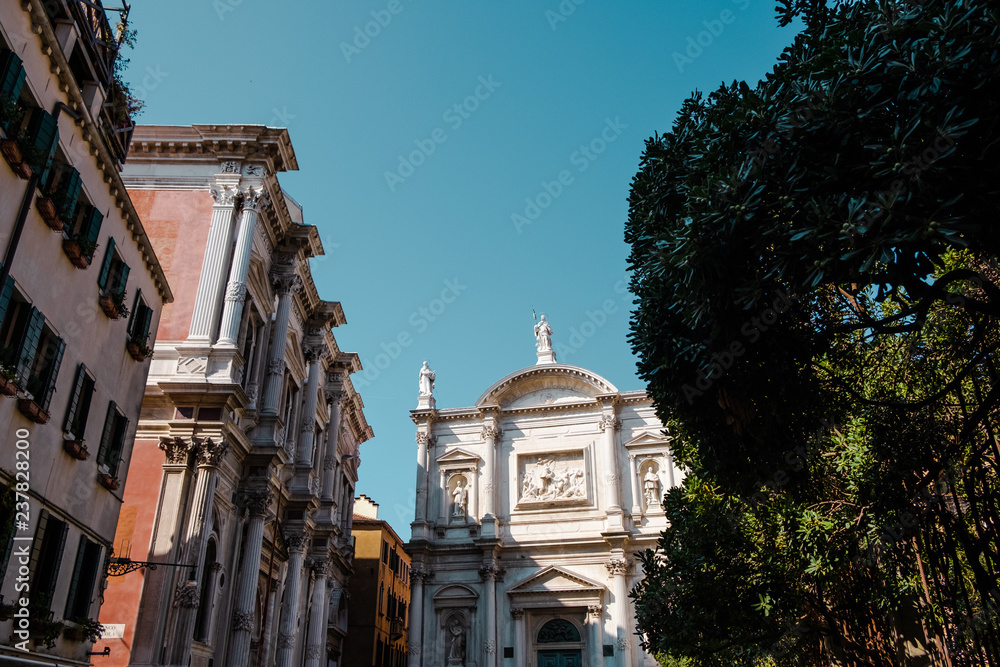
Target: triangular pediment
554,579
648,439
457,456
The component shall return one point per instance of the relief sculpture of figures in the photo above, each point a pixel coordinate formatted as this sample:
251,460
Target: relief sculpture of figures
543,334
545,482
461,497
426,380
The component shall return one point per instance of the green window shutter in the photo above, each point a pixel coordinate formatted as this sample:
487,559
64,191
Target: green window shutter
50,381
109,256
119,287
70,185
43,131
134,316
147,320
5,294
91,227
74,583
103,453
11,74
74,400
36,545
119,446
29,344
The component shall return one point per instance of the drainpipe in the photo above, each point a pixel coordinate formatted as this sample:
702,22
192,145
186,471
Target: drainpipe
22,214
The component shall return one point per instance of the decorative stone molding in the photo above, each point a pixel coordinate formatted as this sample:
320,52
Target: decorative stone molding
490,646
334,396
315,650
255,198
236,292
243,621
257,503
210,453
254,170
423,439
314,353
418,573
617,566
609,422
286,640
595,611
320,567
516,613
176,450
414,648
308,423
612,478
187,595
223,196
276,366
622,643
329,463
230,167
286,284
491,572
192,365
491,432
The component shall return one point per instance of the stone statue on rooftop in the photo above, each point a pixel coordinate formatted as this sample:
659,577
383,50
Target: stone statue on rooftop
426,380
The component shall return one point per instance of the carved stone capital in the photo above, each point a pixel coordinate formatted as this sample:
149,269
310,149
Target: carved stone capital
187,595
223,195
257,503
422,438
491,572
296,541
236,292
418,573
609,422
314,353
176,450
335,396
320,567
210,453
491,431
617,566
255,198
286,283
243,621
595,611
516,613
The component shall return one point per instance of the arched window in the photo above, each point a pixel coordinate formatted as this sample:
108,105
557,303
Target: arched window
558,630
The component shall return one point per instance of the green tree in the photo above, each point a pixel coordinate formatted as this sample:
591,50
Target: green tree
817,321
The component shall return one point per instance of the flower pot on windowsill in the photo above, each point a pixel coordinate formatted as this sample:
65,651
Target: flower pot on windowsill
47,207
15,158
77,253
32,410
76,448
108,481
109,307
7,386
138,351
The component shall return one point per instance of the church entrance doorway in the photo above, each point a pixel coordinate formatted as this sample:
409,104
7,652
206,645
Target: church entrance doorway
559,644
566,658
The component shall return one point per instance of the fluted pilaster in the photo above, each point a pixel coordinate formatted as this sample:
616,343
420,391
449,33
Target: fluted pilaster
257,504
254,201
213,275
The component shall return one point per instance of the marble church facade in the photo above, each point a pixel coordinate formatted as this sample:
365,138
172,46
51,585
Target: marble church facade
530,507
247,449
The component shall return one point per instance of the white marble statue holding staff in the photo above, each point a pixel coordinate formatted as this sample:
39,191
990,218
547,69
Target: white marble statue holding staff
426,380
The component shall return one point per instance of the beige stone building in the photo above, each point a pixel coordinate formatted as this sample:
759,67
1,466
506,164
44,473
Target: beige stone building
250,426
82,292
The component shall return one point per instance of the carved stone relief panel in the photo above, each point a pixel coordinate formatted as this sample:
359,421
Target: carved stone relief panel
559,478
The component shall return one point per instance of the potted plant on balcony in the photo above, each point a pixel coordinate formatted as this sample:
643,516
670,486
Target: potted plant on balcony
113,304
83,629
138,349
79,250
49,204
28,405
46,630
73,443
8,373
107,480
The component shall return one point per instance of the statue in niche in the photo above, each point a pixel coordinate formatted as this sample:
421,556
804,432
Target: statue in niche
456,641
543,334
461,499
651,487
427,377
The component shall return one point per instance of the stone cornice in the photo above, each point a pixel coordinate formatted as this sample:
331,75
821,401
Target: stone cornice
216,143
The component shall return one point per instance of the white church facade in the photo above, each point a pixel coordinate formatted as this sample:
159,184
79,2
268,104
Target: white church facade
531,506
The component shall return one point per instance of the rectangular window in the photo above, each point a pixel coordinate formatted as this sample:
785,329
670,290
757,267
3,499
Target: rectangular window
142,317
113,276
7,500
46,558
78,409
385,551
29,351
81,587
112,440
85,228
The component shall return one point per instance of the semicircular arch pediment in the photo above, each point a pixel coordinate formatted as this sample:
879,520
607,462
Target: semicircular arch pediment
547,384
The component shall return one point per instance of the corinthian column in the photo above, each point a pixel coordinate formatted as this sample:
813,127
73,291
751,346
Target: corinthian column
636,498
421,511
220,231
254,201
595,617
490,573
316,644
335,400
257,504
612,476
520,645
416,630
285,286
618,568
188,594
296,541
307,434
490,433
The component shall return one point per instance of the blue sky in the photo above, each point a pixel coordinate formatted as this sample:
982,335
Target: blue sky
465,163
